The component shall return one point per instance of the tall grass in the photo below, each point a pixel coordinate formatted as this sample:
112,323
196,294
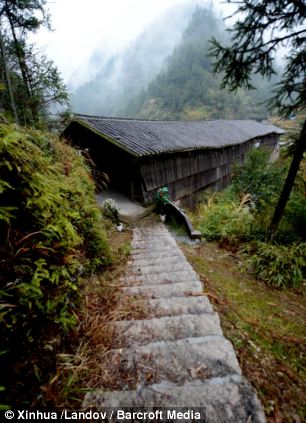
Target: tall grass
223,218
242,213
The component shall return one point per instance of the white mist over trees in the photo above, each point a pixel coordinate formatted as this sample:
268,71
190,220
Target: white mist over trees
29,81
166,74
125,74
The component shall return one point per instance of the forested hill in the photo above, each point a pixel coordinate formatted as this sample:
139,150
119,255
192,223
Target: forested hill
186,88
166,74
127,72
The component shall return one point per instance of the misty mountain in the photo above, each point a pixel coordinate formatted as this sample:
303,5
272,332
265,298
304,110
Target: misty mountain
186,88
125,74
166,74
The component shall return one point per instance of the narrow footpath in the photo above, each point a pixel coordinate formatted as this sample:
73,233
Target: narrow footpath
179,354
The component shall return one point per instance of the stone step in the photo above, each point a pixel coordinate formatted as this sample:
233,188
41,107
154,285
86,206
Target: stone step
138,280
152,241
157,230
162,236
150,235
141,332
155,260
177,361
149,249
153,252
159,278
180,289
161,268
149,245
175,306
229,399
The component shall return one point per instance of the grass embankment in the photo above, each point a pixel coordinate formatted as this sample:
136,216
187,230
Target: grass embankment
265,325
51,236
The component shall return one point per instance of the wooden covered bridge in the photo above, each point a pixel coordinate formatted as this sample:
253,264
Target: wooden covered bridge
187,157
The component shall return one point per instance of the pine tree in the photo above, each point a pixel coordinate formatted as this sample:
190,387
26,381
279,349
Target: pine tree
37,83
8,79
264,26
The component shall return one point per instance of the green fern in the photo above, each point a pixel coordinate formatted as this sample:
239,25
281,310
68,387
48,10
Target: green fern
51,233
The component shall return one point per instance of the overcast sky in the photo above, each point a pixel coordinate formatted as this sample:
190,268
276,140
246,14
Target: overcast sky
109,25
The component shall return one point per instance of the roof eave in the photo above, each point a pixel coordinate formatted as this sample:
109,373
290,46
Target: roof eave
102,135
78,119
196,148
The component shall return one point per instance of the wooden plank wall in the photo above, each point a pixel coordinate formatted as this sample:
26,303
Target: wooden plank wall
186,174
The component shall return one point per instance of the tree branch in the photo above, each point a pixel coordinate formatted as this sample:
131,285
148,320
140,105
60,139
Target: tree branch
274,41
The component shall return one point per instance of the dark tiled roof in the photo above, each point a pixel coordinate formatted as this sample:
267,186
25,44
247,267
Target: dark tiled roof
143,138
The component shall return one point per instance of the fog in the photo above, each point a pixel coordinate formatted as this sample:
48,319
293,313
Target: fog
110,54
86,35
112,82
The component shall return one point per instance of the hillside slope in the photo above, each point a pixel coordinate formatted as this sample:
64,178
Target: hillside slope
186,88
51,235
126,73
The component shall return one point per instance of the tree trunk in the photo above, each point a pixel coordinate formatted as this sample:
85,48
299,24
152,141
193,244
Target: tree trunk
22,65
285,194
8,80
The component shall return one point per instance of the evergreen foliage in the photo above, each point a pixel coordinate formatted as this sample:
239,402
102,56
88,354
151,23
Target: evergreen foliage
242,213
51,233
265,26
162,200
187,89
259,177
30,83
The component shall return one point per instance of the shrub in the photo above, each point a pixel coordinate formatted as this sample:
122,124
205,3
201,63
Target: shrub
51,232
293,224
162,200
259,177
278,265
221,219
261,181
111,210
243,212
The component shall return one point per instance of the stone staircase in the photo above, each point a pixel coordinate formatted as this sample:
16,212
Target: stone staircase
178,356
